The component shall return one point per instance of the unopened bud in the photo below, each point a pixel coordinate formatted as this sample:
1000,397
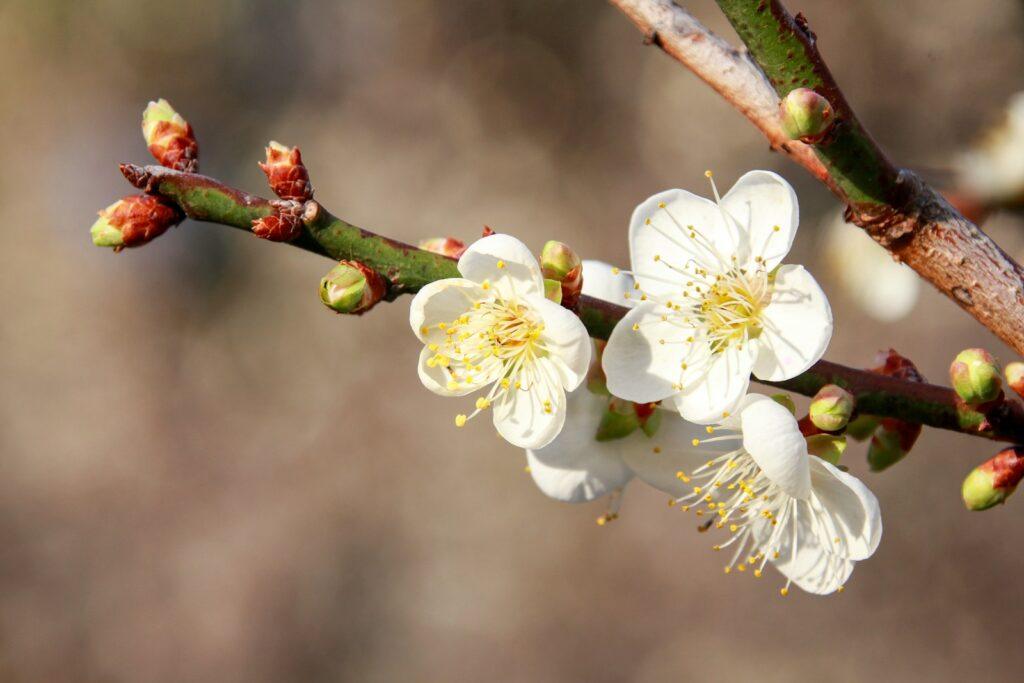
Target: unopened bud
649,417
133,221
351,287
286,173
446,246
1015,377
559,262
806,115
828,447
169,137
284,225
891,442
831,408
786,401
992,482
553,290
975,376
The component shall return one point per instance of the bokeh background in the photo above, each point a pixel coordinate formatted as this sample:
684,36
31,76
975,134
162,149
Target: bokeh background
206,476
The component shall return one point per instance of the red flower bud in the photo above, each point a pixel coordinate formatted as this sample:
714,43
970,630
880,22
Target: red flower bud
993,481
286,173
169,137
278,227
132,221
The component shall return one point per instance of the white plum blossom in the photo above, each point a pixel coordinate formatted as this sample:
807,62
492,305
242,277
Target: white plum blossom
880,286
492,331
581,464
810,519
714,303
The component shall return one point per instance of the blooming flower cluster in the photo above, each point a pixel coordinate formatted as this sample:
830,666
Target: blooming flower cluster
710,303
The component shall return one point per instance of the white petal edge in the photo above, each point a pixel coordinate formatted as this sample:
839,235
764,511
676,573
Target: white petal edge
519,275
441,301
575,467
772,438
759,201
718,392
566,339
854,510
797,326
605,282
436,378
637,367
814,569
520,418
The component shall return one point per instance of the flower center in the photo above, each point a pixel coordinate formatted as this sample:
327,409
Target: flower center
730,310
496,341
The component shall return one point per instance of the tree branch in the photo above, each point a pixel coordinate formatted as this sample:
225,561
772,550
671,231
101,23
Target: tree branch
406,269
901,212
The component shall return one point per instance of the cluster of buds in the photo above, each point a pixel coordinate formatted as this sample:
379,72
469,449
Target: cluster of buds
350,287
133,221
289,179
992,482
284,224
169,137
893,438
563,268
976,378
445,246
806,115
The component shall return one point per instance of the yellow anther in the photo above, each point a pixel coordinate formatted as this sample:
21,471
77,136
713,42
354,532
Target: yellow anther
776,228
733,528
656,449
636,327
647,221
783,592
486,284
460,420
728,570
501,264
697,489
840,589
708,174
741,567
696,442
709,429
661,205
442,326
424,330
482,404
757,573
452,385
615,271
527,469
716,547
657,257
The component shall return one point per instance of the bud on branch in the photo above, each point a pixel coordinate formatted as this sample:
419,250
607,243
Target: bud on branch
132,221
169,137
992,482
286,173
560,263
350,287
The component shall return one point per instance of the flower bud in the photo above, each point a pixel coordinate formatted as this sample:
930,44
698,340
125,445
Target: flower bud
1015,377
806,115
559,262
133,221
446,246
992,482
649,417
618,421
831,408
975,376
553,290
891,442
828,447
786,401
278,227
351,287
286,173
169,137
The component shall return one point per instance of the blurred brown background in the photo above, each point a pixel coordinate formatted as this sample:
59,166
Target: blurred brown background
205,476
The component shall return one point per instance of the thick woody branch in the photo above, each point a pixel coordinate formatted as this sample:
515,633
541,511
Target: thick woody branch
407,269
901,212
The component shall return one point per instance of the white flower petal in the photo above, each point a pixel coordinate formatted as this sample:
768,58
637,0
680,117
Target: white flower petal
813,568
441,301
520,417
566,339
760,201
658,249
797,326
575,467
506,262
854,514
772,438
436,378
716,393
676,452
637,366
603,281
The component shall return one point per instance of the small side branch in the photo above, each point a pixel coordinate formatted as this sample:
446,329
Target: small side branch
407,269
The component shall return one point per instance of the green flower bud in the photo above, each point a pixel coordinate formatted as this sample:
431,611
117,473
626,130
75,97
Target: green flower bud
169,137
1014,373
104,234
831,408
786,401
553,290
806,115
975,376
133,221
891,442
560,263
828,447
351,287
992,482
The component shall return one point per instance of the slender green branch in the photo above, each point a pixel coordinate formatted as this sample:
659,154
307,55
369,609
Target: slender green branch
407,269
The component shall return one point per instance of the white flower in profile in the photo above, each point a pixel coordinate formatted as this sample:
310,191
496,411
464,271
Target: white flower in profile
493,331
881,287
606,441
714,303
781,505
993,170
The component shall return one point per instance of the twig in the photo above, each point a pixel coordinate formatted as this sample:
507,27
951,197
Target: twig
407,269
893,205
